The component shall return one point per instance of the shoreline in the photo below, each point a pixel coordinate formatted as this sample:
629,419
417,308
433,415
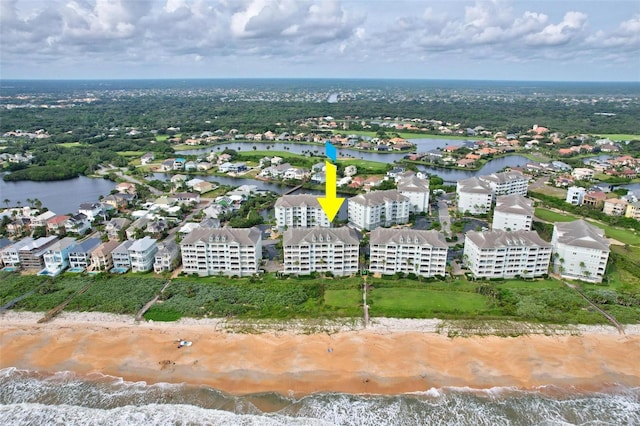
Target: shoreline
391,357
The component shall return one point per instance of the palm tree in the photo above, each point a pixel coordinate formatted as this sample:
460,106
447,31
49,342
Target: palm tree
6,202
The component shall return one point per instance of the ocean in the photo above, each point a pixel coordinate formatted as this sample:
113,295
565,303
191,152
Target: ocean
31,398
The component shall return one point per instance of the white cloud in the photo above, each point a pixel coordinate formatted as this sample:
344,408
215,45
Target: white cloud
554,34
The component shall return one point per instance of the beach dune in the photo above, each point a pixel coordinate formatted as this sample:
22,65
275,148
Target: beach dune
379,361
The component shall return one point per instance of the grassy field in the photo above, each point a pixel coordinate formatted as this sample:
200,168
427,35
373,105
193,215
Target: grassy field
69,144
551,191
130,153
270,297
553,216
620,137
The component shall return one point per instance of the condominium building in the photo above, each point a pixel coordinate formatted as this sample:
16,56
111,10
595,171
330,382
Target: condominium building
513,213
417,191
575,194
507,183
408,251
378,208
11,254
474,196
300,211
506,254
142,254
223,251
580,251
332,250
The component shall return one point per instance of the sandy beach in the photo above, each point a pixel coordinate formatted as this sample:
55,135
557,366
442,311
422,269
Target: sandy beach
391,357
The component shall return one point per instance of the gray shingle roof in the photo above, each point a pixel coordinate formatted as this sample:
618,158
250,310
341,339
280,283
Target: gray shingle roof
581,234
407,236
298,236
298,200
413,184
242,236
500,239
474,185
378,197
515,203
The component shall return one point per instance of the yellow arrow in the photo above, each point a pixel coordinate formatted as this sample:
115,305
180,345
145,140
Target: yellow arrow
330,204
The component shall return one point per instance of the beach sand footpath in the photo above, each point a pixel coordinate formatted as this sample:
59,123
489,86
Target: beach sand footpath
392,357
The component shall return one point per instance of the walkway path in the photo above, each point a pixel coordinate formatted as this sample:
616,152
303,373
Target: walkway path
607,315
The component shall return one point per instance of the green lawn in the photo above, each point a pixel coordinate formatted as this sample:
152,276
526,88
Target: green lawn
425,303
620,137
552,216
69,144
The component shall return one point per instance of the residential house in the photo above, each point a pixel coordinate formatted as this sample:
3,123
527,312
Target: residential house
126,188
582,173
147,158
204,166
121,258
300,211
178,179
190,166
77,224
350,170
167,165
186,198
417,191
138,225
118,201
474,196
41,219
178,164
223,251
80,256
31,255
333,250
57,223
167,257
56,258
115,228
575,195
407,251
378,208
11,253
297,173
594,199
101,257
580,251
633,210
513,213
232,167
90,210
506,254
142,254
614,207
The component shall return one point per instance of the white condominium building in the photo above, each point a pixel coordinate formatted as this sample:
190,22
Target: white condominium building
378,208
409,251
474,196
223,251
300,211
417,191
332,250
580,251
506,183
513,213
504,254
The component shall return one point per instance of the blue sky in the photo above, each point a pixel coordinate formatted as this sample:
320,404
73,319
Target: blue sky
492,40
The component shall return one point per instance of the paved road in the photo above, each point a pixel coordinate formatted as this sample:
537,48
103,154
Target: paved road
118,172
443,217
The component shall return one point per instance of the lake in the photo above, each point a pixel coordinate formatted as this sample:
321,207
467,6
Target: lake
61,196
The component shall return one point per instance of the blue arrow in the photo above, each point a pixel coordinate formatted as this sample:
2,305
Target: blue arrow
330,151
